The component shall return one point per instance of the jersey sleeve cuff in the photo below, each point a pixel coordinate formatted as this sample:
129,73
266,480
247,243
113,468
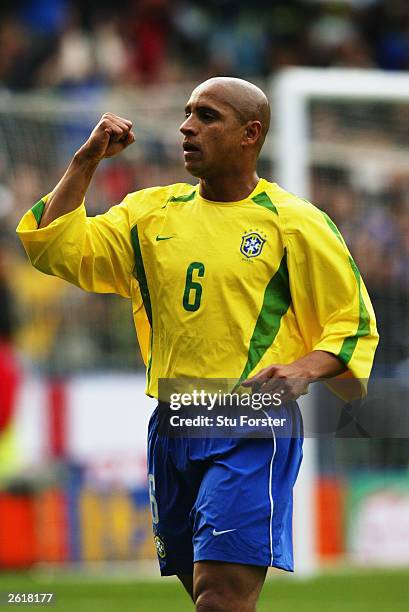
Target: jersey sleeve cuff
36,240
28,225
349,385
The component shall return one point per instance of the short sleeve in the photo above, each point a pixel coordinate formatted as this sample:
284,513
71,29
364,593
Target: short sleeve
331,303
94,253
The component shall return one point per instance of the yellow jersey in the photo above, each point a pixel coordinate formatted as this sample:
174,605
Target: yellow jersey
219,289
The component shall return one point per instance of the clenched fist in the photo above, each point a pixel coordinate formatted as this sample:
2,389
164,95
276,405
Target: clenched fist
110,136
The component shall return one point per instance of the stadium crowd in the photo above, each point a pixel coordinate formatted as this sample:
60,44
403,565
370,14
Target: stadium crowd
70,43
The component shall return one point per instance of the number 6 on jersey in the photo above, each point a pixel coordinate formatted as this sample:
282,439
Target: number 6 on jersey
193,288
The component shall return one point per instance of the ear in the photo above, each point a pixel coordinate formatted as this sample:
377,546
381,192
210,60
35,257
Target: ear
252,133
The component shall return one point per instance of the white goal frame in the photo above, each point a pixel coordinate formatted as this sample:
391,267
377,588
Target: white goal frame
294,88
291,92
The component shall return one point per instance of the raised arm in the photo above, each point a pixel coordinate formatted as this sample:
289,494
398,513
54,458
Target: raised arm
111,136
94,253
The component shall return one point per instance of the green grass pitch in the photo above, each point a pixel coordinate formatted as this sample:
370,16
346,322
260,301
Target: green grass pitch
352,591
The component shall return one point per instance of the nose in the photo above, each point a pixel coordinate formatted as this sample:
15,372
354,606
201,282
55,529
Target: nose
188,126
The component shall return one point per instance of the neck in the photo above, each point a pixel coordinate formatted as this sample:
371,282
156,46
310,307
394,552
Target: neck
228,189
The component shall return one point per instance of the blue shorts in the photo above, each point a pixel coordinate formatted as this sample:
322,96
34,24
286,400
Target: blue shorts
224,499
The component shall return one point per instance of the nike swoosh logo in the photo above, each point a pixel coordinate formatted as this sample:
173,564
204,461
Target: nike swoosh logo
163,237
217,533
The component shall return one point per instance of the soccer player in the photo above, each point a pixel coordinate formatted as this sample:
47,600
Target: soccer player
232,278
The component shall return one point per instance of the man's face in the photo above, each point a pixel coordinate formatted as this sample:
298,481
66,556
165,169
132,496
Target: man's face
212,134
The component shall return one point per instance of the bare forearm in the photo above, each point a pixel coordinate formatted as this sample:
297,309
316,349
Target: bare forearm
71,189
317,364
111,136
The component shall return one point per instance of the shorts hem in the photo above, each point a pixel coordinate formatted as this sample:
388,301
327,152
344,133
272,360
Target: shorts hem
174,572
217,556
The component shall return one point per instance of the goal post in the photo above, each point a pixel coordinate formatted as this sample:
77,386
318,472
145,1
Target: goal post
295,88
373,145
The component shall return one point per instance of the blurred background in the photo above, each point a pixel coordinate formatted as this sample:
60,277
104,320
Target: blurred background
73,416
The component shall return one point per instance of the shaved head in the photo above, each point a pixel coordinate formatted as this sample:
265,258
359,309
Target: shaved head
248,101
225,125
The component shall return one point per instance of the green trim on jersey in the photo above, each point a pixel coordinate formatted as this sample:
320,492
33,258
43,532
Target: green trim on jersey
277,299
364,329
149,366
140,275
333,227
262,199
349,344
183,198
38,210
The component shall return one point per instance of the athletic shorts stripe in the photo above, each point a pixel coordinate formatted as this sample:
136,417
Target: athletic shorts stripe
270,491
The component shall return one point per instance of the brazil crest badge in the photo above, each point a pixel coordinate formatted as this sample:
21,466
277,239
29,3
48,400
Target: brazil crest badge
251,244
160,546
